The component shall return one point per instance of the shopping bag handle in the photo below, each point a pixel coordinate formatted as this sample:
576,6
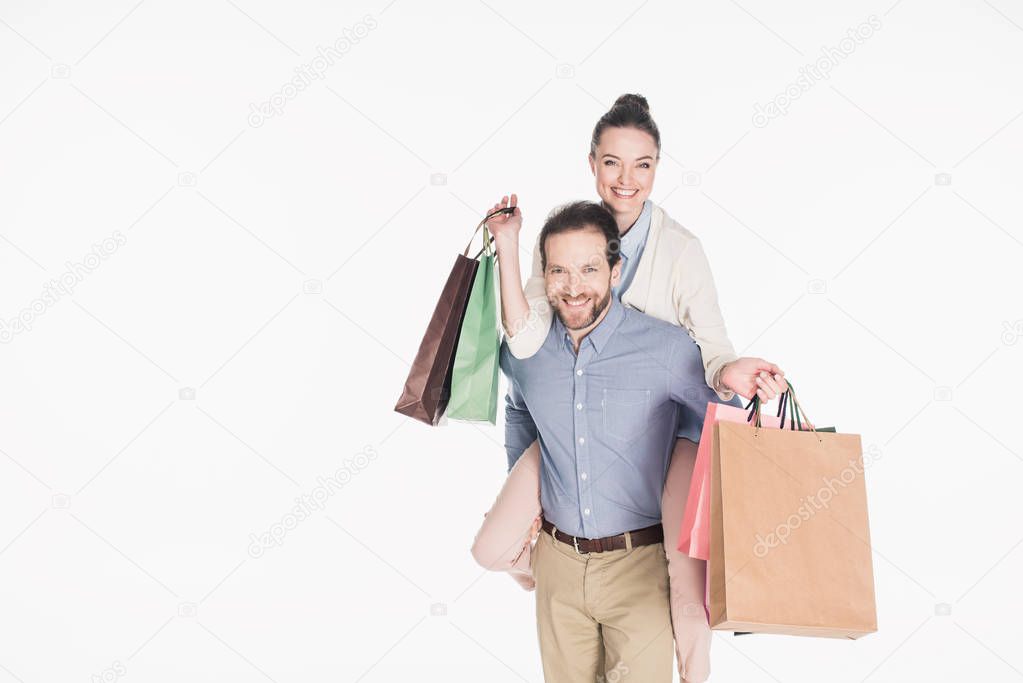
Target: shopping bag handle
789,403
797,411
486,233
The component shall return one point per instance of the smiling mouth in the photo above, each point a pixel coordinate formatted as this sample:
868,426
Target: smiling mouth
576,304
623,193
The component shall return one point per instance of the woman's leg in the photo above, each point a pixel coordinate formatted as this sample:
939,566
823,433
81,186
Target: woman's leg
686,576
503,542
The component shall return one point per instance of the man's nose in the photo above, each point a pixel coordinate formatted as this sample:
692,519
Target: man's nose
573,284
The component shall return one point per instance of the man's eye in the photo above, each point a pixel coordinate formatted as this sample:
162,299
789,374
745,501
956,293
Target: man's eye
644,165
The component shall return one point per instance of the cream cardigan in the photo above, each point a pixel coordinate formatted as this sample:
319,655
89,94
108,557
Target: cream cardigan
672,282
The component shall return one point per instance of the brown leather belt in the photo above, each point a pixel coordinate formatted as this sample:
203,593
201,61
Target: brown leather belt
646,536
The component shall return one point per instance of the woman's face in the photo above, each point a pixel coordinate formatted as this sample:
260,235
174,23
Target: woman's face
624,165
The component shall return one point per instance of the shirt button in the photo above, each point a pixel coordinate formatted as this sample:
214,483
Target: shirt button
578,372
582,440
586,511
578,406
583,476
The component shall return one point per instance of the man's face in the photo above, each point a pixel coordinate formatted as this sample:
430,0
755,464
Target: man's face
578,278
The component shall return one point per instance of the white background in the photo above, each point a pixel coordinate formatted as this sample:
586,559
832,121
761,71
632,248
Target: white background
891,298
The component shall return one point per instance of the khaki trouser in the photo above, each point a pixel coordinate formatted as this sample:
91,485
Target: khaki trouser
602,617
503,544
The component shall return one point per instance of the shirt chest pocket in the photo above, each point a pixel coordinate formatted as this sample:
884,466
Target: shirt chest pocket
626,412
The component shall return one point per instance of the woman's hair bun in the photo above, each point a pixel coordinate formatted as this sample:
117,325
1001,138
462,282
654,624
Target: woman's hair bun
631,100
628,111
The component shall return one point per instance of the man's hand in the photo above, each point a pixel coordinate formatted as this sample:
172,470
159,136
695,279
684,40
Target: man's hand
505,227
746,376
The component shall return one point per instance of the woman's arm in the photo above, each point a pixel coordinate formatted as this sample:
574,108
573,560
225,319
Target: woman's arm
696,302
525,312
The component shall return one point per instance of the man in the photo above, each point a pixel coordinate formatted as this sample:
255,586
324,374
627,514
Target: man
604,396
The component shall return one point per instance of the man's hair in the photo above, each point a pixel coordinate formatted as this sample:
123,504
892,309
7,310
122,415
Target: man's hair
582,216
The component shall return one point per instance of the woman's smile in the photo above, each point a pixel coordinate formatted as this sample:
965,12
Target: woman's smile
624,193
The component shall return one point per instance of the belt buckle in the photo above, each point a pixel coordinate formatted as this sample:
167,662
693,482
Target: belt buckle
575,541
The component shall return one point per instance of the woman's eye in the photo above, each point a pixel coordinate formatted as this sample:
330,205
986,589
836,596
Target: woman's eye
644,165
609,162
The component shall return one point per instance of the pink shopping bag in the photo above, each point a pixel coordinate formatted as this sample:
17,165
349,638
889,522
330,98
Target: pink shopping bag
694,536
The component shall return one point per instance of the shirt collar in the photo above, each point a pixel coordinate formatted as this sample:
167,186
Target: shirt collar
636,236
599,335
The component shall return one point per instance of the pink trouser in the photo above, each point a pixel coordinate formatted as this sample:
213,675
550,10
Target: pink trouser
503,543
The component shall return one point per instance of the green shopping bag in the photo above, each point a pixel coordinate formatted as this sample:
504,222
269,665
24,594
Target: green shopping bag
474,372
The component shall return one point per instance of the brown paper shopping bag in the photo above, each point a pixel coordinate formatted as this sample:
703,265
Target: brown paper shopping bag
790,542
428,387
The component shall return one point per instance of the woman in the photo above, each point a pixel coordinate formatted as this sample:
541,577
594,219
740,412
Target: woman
664,274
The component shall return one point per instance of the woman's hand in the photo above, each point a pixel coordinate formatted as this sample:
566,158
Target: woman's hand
746,376
534,530
505,227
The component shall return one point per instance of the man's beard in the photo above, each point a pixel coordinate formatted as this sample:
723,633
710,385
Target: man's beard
581,319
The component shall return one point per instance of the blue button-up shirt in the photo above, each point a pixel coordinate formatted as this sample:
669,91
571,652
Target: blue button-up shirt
606,418
632,245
